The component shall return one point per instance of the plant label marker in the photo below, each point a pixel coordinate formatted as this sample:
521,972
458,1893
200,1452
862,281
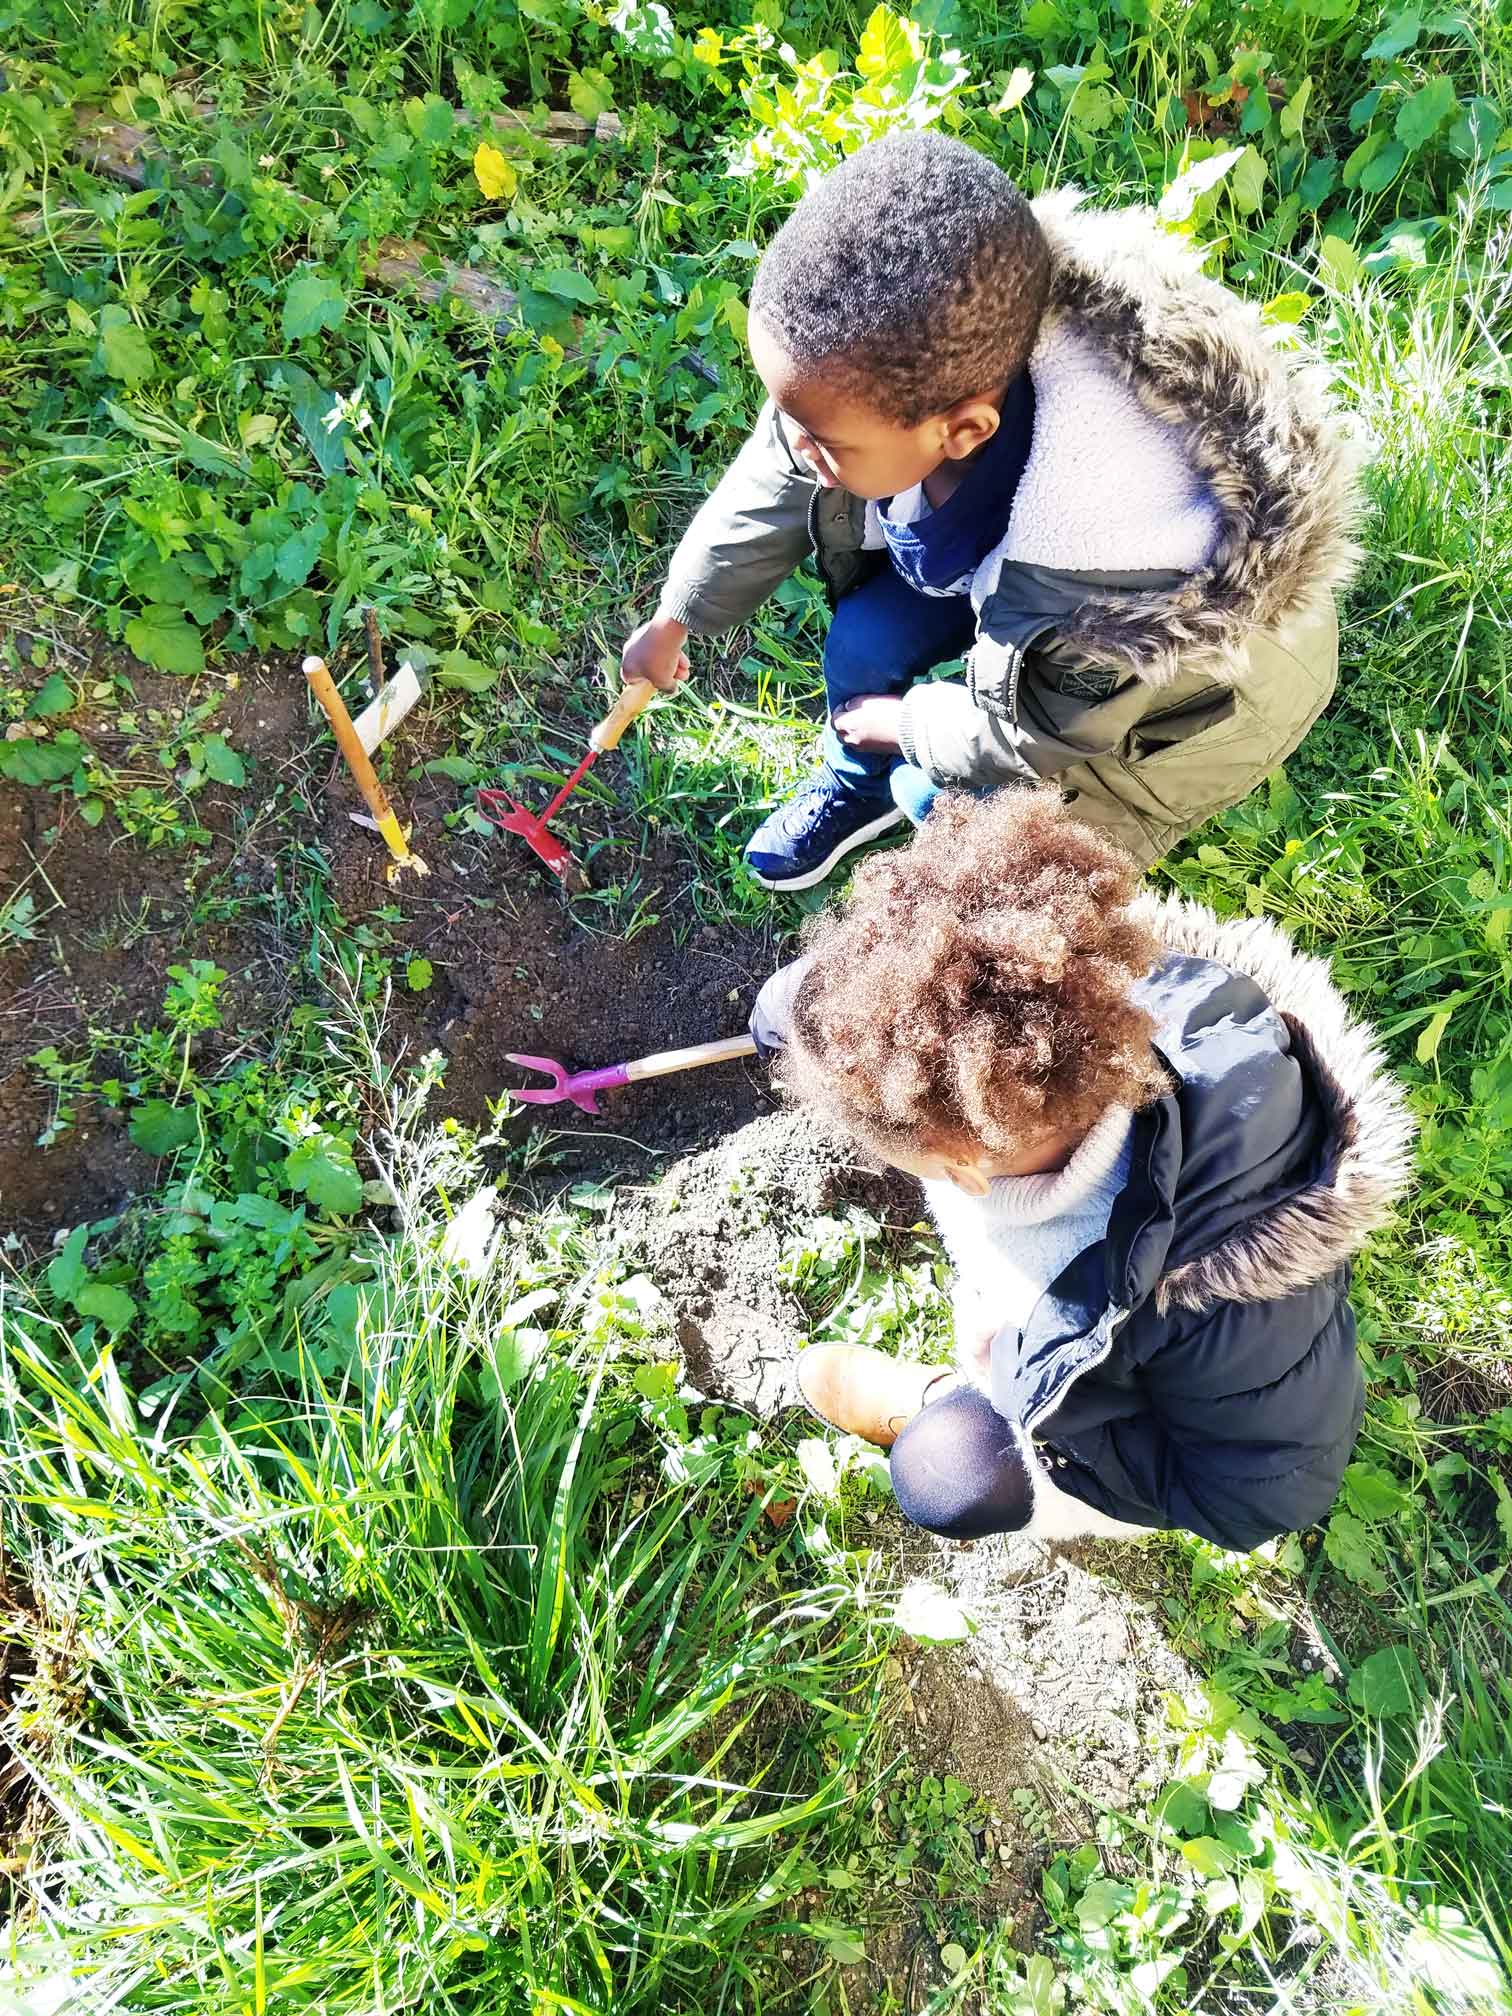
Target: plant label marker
323,686
394,701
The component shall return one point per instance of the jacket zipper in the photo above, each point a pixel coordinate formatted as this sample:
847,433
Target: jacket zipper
1112,1323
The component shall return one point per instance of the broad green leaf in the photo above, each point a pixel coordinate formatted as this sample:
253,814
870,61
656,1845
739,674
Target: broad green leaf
66,1273
419,973
160,637
1339,261
1208,1856
125,352
1319,183
1286,310
430,119
323,1170
589,94
1247,185
29,761
1180,197
111,1306
1101,1902
952,1957
1293,110
1475,131
1458,1961
1383,167
493,174
1041,1994
888,45
1183,1807
1390,1682
1093,109
313,302
456,668
311,403
1398,36
222,762
1373,1493
157,1127
1421,115
1350,1547
53,696
566,283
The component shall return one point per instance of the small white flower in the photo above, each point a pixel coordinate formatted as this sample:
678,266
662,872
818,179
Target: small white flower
267,160
351,407
327,171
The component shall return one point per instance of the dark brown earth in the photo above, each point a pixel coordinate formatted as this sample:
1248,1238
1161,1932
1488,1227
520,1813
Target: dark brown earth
516,963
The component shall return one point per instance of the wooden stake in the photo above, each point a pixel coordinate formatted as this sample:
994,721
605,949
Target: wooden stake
323,686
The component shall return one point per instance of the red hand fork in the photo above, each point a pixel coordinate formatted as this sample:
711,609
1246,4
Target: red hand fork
531,826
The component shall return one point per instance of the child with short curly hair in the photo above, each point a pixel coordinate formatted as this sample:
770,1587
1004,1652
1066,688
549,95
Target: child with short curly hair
1151,1141
1040,438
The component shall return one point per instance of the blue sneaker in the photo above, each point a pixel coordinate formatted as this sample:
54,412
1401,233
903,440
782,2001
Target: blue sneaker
801,841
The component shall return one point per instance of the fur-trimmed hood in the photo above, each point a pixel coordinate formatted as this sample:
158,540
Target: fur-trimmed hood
1173,434
1303,1233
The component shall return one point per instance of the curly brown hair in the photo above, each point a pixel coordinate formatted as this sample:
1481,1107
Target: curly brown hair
974,987
915,274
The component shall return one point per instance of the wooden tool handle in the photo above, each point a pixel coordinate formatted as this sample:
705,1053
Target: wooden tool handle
323,686
634,699
661,1063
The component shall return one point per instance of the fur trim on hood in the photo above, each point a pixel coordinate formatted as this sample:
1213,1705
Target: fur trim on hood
1257,430
1299,1241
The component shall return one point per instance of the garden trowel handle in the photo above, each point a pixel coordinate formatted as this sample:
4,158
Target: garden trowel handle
662,1063
633,700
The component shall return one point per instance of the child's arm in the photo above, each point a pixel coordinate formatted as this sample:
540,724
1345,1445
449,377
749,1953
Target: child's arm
746,539
954,741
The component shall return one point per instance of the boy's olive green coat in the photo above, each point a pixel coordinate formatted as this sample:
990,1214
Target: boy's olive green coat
1154,696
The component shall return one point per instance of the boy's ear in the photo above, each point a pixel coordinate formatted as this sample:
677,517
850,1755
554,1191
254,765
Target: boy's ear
969,425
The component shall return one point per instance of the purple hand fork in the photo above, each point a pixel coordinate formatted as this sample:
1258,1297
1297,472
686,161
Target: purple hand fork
583,1087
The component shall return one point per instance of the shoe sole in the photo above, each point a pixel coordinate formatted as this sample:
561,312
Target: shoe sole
859,838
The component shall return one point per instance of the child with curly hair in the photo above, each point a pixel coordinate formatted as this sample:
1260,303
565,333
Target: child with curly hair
1040,436
1152,1142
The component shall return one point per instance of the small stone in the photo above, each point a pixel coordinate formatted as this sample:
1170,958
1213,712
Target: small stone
1040,1733
1005,1853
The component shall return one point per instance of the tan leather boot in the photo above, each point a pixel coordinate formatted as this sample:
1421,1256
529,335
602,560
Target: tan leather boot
865,1392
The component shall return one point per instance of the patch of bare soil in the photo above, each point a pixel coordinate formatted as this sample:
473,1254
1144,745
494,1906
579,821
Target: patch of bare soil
285,882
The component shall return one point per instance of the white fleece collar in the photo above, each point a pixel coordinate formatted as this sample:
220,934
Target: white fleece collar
1109,487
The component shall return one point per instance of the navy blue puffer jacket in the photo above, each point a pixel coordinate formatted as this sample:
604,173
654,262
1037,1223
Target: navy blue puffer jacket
1197,1368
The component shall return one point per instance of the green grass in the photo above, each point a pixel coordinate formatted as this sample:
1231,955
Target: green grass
387,1633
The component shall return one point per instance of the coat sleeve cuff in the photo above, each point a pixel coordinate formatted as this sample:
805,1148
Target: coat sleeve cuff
694,611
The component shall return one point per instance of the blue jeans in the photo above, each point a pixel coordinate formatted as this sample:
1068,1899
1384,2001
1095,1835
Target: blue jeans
881,639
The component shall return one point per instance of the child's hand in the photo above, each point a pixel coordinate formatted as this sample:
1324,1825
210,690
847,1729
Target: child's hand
655,652
871,722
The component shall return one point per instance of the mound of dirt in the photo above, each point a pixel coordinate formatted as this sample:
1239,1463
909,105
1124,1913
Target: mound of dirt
713,1234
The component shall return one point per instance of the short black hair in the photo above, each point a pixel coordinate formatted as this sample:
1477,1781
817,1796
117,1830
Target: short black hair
917,270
